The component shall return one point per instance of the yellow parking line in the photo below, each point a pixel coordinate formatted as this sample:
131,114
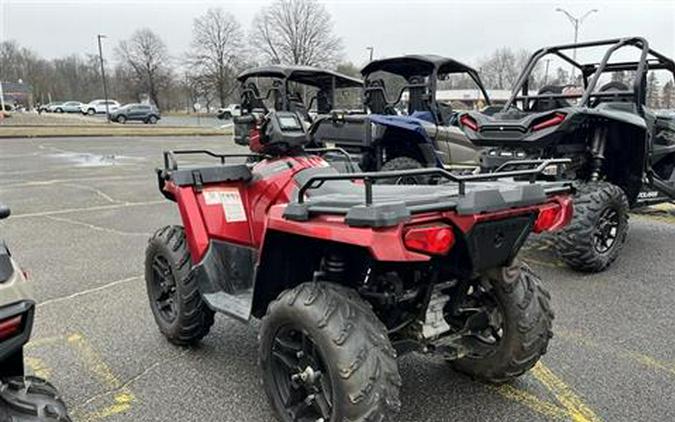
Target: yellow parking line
532,402
648,361
576,408
123,398
38,366
94,363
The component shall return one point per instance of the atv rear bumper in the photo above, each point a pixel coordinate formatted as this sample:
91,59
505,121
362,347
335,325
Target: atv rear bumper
11,356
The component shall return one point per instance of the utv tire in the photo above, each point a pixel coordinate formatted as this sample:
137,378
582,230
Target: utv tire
403,163
30,399
181,314
326,329
600,213
527,321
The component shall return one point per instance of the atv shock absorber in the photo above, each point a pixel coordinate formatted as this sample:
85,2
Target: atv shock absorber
598,152
332,267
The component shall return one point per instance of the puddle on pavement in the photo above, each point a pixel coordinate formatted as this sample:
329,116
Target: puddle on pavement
85,159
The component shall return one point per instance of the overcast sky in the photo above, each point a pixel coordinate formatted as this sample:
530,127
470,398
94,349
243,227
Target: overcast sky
465,30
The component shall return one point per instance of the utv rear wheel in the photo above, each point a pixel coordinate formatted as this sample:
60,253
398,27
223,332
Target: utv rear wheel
30,399
180,312
594,238
519,339
403,163
325,356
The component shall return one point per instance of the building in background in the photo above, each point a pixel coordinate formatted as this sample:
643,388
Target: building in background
17,94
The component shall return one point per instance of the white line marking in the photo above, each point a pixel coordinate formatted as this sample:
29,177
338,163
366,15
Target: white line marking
98,208
88,291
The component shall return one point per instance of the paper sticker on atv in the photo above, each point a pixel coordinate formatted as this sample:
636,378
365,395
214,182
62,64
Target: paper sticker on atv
230,199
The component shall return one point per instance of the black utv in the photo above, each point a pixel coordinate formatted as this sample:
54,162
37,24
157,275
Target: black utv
622,152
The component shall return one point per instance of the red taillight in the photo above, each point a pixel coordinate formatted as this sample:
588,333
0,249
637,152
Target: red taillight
553,216
434,240
469,122
553,121
10,327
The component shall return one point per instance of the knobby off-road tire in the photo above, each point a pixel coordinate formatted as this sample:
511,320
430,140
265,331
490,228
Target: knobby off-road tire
403,163
190,319
352,344
30,399
576,243
527,321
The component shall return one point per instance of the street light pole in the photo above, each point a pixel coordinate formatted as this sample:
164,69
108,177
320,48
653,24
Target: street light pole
371,49
575,21
105,85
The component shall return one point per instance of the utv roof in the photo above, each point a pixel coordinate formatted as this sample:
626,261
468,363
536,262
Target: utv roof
306,75
416,64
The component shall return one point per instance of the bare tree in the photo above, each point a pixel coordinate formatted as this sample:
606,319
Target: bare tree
296,32
668,95
216,45
653,91
146,56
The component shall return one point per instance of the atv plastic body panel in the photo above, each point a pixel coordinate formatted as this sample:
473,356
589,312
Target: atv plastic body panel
228,219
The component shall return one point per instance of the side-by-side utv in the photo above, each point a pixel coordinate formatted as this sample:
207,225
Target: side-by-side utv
305,90
404,125
622,153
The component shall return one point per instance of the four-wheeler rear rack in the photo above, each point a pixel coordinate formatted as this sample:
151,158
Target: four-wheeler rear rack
369,177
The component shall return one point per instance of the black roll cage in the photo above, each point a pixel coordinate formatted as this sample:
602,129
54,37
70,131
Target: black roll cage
428,67
295,74
649,60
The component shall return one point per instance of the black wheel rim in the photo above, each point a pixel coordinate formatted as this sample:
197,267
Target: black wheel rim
300,376
163,289
606,231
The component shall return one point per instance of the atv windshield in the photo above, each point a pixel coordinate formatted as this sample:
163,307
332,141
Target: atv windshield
602,71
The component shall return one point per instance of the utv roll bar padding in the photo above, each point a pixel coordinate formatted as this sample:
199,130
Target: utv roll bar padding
368,177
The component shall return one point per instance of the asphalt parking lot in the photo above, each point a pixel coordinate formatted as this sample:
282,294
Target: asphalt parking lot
83,209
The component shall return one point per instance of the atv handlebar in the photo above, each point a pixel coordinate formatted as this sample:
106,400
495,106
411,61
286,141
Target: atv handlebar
368,178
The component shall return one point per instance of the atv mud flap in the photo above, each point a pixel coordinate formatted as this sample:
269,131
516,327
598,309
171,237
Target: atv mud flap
495,244
225,278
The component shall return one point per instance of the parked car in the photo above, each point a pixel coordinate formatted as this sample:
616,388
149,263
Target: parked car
51,107
145,113
69,107
98,106
232,110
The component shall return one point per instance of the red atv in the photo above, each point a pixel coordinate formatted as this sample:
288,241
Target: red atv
347,274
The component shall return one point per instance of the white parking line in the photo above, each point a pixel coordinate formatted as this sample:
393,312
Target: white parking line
88,291
97,208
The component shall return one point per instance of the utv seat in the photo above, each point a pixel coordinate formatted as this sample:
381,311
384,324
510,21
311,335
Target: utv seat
547,104
376,99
